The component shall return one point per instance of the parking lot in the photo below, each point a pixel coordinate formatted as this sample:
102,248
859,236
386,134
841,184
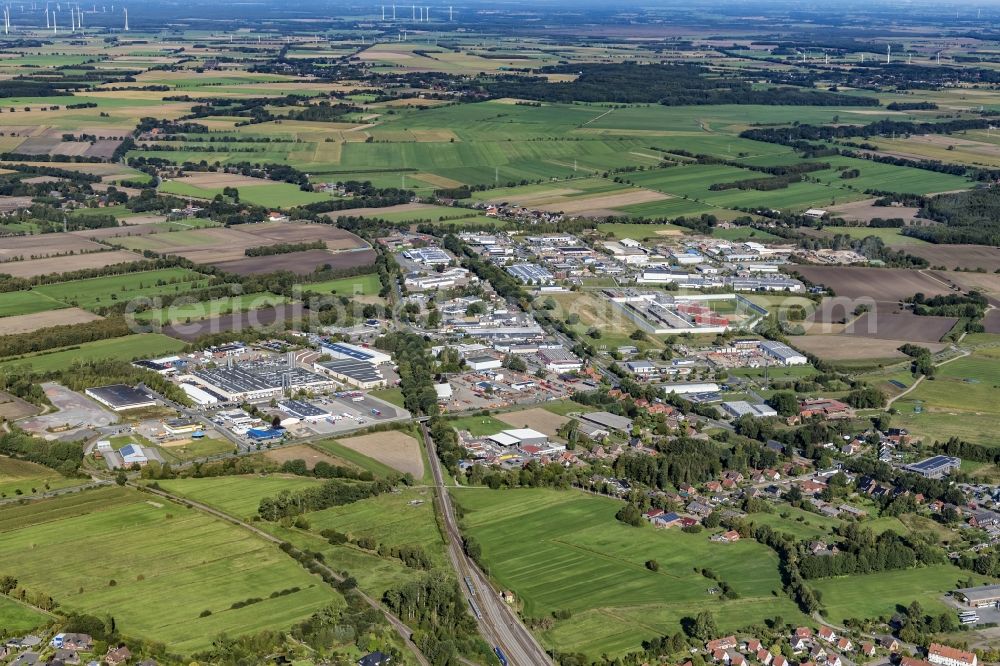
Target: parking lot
76,416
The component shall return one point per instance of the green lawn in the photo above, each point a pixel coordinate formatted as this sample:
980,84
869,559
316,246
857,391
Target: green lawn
28,478
393,396
128,348
479,425
564,550
155,566
197,448
889,236
277,195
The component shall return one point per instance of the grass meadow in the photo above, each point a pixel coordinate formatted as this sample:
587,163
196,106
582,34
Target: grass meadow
127,348
583,561
20,477
155,566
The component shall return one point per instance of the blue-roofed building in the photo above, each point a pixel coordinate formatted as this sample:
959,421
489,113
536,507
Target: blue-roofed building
375,659
132,454
666,520
265,434
935,467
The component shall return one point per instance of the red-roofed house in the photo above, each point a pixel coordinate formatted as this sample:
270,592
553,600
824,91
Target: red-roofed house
827,634
724,643
949,656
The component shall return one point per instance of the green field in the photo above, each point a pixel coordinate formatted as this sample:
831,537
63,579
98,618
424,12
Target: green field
882,594
128,348
277,195
29,478
183,312
196,448
236,495
16,618
479,425
640,232
359,285
582,560
100,291
889,236
13,303
155,566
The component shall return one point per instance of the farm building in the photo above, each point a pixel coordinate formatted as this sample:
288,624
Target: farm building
978,597
361,374
935,467
826,407
120,397
343,351
608,421
738,408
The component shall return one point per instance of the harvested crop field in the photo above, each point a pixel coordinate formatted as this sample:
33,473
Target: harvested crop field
8,204
959,256
878,284
900,325
77,262
241,321
602,204
991,322
396,449
32,322
303,452
378,212
854,348
300,263
210,180
44,245
537,419
335,239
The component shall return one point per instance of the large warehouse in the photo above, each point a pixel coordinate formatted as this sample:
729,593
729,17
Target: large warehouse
259,381
979,597
121,397
361,374
343,351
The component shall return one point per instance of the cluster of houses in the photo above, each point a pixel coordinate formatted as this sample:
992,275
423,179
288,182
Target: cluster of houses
64,649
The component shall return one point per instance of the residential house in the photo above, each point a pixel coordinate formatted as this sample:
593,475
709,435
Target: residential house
868,649
79,642
827,634
753,645
803,632
25,659
834,660
910,661
731,536
800,644
736,659
818,653
764,656
117,656
720,656
889,643
67,656
845,644
724,643
949,656
779,661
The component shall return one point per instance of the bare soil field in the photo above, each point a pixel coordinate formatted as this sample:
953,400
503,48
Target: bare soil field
553,196
103,148
300,263
335,239
987,283
853,348
44,245
536,419
303,452
115,232
896,325
13,408
959,256
878,284
237,321
604,204
865,211
33,322
64,264
396,449
991,322
8,204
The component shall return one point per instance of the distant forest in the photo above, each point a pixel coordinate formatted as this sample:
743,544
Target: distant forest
671,85
966,217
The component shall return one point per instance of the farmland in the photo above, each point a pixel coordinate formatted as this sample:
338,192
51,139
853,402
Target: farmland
156,581
20,477
579,551
127,348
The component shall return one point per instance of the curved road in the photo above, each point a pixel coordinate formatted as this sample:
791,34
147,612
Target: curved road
404,631
497,622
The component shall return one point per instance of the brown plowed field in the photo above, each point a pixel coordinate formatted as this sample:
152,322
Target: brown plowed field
44,245
300,263
879,284
64,264
33,322
959,256
238,321
900,326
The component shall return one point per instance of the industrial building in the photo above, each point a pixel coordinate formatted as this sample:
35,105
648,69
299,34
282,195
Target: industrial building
259,381
360,374
346,351
479,363
304,411
429,256
935,467
683,389
132,454
121,397
531,274
198,395
608,421
783,353
519,437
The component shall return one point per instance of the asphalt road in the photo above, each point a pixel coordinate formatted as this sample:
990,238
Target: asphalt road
497,622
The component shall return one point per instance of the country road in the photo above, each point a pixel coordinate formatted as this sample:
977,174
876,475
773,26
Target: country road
401,628
497,622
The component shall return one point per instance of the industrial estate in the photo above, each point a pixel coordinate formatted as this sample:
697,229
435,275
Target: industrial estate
518,333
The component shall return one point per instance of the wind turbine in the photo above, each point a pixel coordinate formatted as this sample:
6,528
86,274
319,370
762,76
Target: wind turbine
126,19
888,54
